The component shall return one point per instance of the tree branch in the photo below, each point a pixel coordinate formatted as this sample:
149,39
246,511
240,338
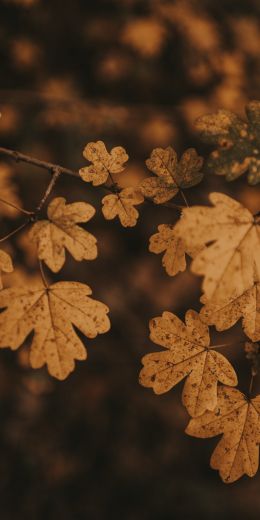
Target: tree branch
56,169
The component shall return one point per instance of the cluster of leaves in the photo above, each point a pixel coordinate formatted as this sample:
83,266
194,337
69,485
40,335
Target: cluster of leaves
224,243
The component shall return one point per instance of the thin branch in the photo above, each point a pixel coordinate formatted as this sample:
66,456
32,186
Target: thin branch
15,231
16,207
21,157
52,168
56,174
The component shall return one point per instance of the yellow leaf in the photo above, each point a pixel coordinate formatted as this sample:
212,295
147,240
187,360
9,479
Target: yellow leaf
6,265
60,231
51,313
229,238
187,355
174,246
121,205
171,174
103,163
237,418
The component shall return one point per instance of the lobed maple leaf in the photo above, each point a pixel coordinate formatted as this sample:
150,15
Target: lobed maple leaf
60,231
6,265
122,205
238,142
104,163
188,355
237,418
174,246
228,236
51,313
171,174
226,313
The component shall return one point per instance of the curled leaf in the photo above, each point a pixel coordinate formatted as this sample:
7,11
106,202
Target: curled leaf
122,205
60,231
103,163
51,313
237,418
187,355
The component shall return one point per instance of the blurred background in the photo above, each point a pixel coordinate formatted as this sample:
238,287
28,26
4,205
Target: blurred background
137,74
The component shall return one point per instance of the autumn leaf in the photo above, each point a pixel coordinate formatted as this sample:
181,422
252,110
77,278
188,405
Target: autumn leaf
60,231
51,313
171,175
8,192
188,355
6,265
174,246
226,313
229,238
237,418
122,205
103,163
238,142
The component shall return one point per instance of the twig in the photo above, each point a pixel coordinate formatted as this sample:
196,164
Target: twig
52,168
56,174
15,231
21,157
16,207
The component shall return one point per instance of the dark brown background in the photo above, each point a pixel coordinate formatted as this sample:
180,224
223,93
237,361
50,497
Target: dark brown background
99,446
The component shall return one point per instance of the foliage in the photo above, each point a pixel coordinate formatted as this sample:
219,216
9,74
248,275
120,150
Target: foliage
223,242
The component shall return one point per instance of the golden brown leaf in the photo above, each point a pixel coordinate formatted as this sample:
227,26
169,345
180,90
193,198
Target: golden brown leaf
229,236
174,246
6,265
51,313
226,313
188,355
171,174
237,418
104,163
122,205
60,231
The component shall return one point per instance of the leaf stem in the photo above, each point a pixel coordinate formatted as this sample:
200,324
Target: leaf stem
44,281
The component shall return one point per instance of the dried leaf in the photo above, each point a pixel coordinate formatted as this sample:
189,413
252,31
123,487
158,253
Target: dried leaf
121,205
6,265
174,246
226,313
238,142
188,355
60,231
51,313
237,418
171,174
104,163
229,236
